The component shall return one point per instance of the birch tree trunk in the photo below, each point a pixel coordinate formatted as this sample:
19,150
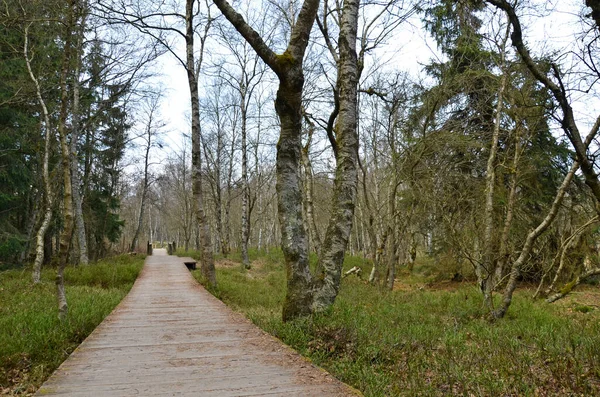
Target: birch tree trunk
218,191
393,234
145,180
47,216
149,132
503,251
225,243
346,176
305,295
485,270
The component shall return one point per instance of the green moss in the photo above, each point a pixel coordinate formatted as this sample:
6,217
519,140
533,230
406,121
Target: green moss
583,308
286,59
567,287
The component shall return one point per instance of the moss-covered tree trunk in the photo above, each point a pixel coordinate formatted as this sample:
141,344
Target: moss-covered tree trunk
346,175
288,105
305,295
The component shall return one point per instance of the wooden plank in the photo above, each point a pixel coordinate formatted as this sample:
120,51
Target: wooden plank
169,336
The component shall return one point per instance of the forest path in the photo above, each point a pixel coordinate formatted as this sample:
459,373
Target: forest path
170,337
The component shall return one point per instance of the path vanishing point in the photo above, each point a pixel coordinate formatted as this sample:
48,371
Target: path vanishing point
170,337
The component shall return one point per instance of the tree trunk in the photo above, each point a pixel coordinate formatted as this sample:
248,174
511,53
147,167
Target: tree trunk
346,177
75,132
393,248
288,105
485,270
207,264
370,226
567,288
66,234
294,241
315,239
303,295
145,180
503,251
47,216
392,257
245,186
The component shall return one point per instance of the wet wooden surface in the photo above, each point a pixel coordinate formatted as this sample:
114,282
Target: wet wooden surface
169,337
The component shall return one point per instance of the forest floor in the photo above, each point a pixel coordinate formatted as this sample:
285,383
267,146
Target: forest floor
428,338
33,342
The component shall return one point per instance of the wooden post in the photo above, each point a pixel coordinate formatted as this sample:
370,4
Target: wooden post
174,247
170,249
149,249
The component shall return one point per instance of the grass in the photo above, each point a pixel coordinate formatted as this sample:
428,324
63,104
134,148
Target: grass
426,341
33,342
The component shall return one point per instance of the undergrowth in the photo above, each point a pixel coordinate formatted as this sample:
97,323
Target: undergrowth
425,341
33,342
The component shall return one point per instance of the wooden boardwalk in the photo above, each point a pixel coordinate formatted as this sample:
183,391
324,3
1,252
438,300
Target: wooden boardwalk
169,337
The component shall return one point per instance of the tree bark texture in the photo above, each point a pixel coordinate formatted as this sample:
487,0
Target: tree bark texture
315,239
503,251
288,105
346,176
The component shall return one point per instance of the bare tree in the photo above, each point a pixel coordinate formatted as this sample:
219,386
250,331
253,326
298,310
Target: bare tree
244,73
152,128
